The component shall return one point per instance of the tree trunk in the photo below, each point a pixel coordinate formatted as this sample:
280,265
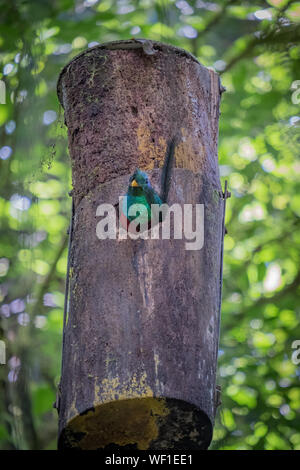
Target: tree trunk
141,334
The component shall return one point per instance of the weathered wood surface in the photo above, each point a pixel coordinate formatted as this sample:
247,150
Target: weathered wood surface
140,343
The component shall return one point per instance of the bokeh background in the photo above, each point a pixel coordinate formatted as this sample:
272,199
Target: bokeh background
254,45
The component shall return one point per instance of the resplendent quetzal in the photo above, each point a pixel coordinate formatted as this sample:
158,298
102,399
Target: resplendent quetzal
141,192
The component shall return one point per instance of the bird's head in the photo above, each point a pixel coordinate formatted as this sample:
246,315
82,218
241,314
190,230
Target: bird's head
139,179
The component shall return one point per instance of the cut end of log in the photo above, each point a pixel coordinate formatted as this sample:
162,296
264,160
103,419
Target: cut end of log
139,424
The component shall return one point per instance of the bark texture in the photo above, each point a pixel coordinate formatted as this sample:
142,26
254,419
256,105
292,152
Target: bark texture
141,337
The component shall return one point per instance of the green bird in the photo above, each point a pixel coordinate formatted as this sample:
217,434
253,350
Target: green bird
141,192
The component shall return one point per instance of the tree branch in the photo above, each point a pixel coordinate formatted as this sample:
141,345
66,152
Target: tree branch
24,398
271,36
215,19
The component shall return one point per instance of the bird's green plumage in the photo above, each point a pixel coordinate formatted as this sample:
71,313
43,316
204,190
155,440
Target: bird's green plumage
141,192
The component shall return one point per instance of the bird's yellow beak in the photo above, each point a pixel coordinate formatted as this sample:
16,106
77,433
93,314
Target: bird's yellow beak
134,184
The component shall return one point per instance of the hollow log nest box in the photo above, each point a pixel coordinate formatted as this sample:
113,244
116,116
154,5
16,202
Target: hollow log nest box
141,331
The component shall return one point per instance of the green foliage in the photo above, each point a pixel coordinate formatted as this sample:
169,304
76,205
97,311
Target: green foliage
256,49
